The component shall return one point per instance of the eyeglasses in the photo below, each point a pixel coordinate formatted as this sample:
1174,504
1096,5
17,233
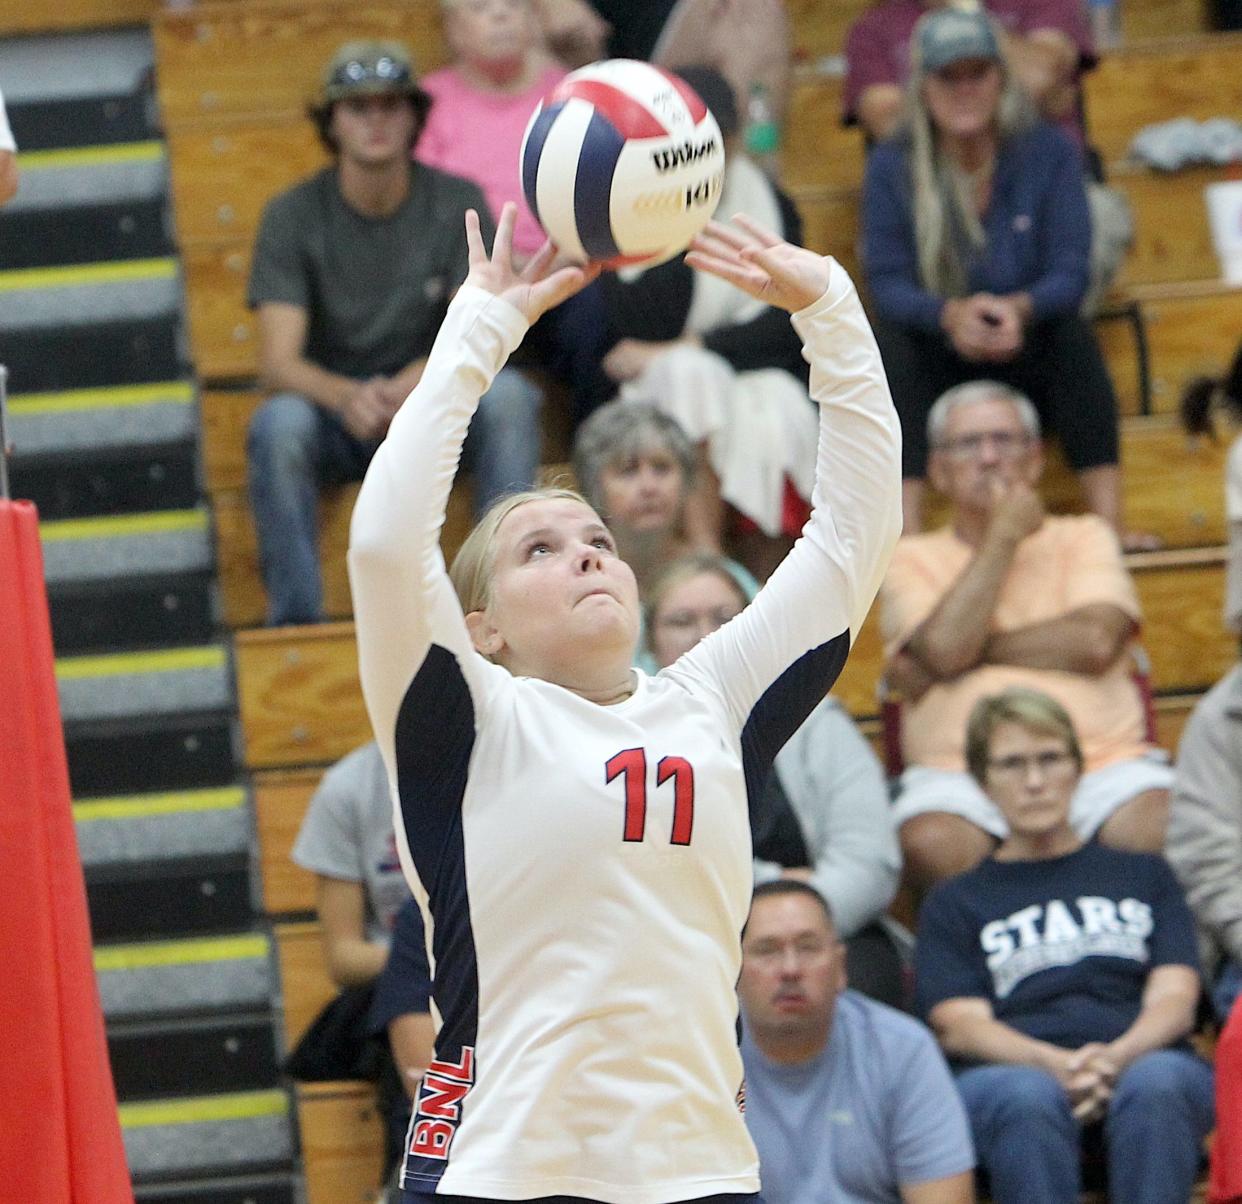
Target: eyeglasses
1018,766
685,620
365,71
1007,444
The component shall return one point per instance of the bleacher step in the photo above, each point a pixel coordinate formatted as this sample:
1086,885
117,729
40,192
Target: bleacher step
58,236
112,482
81,66
90,175
99,119
115,291
187,975
277,1188
126,545
163,611
208,1134
135,685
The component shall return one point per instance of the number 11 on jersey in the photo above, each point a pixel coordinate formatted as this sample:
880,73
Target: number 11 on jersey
631,765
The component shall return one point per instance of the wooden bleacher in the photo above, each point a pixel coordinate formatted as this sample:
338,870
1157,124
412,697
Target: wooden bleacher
280,801
58,16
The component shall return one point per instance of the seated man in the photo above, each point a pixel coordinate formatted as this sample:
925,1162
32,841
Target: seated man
1004,595
846,1099
1048,44
1063,977
353,271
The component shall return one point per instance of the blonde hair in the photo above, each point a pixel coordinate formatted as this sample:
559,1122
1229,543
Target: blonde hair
1031,709
471,570
943,205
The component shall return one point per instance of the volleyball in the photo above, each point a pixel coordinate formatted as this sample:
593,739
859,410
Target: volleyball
622,164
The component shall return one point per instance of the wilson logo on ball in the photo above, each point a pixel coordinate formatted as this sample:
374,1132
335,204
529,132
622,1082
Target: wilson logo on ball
609,139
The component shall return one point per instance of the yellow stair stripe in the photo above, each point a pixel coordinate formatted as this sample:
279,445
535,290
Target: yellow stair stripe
76,668
181,953
91,156
145,805
109,526
100,399
240,1106
113,272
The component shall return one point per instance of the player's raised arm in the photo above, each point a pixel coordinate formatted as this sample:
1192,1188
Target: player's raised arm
819,595
403,601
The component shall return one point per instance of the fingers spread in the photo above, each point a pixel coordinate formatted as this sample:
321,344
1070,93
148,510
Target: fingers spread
474,238
502,248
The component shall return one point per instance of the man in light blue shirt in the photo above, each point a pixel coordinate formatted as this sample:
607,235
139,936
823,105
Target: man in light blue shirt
847,1100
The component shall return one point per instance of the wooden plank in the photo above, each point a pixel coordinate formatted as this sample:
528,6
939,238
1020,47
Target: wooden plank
1148,82
1163,19
818,151
342,1133
299,696
1172,711
223,332
304,983
1192,329
1172,238
223,174
237,556
224,417
59,15
830,225
1181,595
819,29
266,57
856,687
280,801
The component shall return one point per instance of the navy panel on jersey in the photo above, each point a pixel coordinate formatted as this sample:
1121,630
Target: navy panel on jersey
783,707
434,739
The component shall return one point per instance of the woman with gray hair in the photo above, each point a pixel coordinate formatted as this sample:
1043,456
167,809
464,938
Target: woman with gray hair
976,246
635,465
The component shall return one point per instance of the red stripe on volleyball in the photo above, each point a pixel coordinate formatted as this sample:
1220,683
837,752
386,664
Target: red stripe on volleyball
698,110
625,114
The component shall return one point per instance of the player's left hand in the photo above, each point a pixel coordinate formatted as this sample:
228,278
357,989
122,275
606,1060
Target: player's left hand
760,263
538,287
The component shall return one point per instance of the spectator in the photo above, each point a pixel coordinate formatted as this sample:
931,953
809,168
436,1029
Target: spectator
1201,398
1048,44
1063,977
727,367
823,815
347,841
1001,596
976,245
636,467
1205,831
353,270
747,41
8,157
846,1099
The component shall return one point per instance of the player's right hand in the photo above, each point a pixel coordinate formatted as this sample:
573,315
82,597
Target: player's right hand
538,287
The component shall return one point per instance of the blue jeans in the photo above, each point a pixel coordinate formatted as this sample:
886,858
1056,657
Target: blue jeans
295,448
1028,1141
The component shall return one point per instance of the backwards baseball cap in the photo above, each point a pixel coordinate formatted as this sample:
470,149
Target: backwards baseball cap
949,35
370,68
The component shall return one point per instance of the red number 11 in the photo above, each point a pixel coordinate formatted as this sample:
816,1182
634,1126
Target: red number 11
631,763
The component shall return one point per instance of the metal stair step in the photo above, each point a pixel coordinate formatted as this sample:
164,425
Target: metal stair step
185,975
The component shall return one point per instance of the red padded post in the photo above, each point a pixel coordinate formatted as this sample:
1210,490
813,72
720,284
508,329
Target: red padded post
60,1138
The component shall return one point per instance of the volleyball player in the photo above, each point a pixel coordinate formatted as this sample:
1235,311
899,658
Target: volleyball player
575,830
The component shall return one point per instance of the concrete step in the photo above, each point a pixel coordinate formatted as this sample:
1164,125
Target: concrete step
184,975
135,685
126,545
208,1134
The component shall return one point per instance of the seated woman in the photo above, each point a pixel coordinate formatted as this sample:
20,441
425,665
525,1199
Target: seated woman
823,816
728,368
976,241
1062,978
636,467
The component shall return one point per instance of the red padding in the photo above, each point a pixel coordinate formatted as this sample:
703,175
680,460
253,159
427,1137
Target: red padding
1225,1183
60,1139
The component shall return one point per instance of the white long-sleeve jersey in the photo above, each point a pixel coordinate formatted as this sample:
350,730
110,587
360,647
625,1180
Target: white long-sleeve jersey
585,870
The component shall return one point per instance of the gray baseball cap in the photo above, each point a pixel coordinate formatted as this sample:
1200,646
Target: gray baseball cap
370,68
949,35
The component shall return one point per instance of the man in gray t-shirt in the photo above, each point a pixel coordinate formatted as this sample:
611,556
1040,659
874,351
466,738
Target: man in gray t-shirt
352,274
347,840
847,1100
